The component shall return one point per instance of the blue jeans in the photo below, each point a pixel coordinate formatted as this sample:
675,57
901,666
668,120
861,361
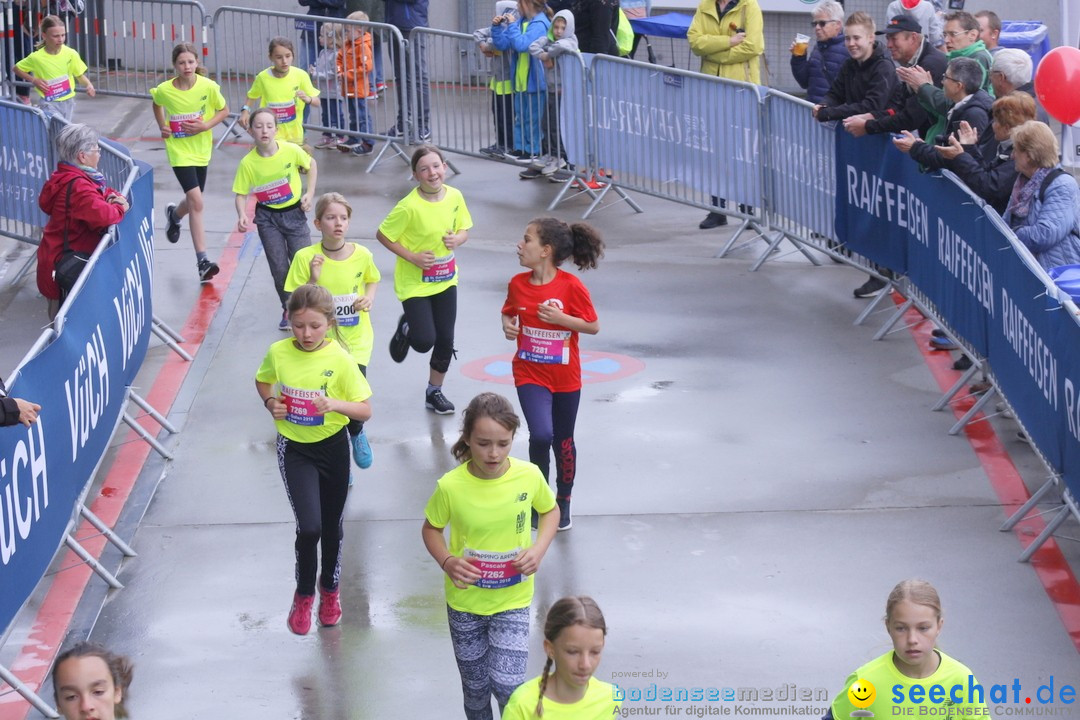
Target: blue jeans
333,113
359,122
528,109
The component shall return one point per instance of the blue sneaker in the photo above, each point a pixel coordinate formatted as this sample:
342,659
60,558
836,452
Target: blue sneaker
361,450
943,343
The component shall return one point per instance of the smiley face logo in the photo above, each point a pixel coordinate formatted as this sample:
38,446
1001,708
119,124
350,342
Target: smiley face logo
861,693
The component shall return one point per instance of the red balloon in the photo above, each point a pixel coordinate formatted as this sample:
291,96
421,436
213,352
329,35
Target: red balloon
1057,84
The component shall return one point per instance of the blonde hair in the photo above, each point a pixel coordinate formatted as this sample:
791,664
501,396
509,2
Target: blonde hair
358,15
919,592
1037,141
861,18
48,23
327,199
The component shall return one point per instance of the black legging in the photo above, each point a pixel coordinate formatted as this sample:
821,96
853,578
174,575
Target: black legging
357,426
551,418
431,325
316,479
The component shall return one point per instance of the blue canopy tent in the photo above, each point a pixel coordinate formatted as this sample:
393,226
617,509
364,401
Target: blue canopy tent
669,25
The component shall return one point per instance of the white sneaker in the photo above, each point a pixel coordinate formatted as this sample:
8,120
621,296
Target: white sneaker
541,162
553,164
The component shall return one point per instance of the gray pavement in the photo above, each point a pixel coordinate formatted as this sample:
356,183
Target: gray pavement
743,504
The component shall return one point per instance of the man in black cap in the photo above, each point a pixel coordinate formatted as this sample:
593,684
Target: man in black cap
909,48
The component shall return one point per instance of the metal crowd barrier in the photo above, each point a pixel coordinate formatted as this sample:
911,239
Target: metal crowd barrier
240,44
26,159
127,44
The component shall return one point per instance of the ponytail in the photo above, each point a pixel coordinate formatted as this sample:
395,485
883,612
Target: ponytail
588,245
579,241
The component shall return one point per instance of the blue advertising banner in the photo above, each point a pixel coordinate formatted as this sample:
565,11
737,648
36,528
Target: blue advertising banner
1023,350
80,381
876,212
927,226
1067,339
25,163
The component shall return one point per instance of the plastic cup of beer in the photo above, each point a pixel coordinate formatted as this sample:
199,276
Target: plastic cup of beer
802,43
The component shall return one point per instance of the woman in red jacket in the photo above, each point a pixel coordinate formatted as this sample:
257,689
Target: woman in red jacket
79,205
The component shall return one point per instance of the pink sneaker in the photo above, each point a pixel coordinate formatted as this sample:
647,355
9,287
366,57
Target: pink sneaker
329,607
300,613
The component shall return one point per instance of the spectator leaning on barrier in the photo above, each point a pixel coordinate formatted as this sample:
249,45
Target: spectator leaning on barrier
956,100
729,37
816,69
909,48
866,79
989,30
407,15
596,22
1010,72
80,206
1044,209
501,83
15,410
969,104
990,176
924,13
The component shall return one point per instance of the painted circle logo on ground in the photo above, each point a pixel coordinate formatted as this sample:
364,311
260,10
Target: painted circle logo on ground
596,367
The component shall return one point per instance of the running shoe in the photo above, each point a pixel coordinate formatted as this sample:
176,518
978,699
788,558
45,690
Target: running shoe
300,613
361,451
363,149
870,288
172,223
515,155
207,270
437,402
284,326
425,136
493,151
348,145
329,142
552,165
399,343
565,523
380,88
561,176
943,343
329,607
526,159
531,173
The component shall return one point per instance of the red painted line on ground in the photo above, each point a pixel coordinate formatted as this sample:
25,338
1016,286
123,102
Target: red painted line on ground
61,600
1049,563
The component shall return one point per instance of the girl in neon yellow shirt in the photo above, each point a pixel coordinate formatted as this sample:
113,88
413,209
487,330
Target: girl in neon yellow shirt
424,229
573,642
348,271
53,68
186,108
491,558
914,678
271,171
312,388
286,90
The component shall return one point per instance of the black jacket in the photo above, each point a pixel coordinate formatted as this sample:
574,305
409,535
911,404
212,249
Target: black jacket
904,111
593,24
976,111
9,409
860,87
991,177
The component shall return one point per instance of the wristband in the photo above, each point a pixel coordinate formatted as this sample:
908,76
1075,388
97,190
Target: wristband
268,400
446,560
245,108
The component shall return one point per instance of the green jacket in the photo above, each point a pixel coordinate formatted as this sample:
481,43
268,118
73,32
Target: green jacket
933,98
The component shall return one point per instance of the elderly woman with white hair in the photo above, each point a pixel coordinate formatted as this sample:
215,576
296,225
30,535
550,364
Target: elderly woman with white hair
80,206
816,68
1044,209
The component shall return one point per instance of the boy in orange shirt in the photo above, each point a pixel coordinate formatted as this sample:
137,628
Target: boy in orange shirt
354,61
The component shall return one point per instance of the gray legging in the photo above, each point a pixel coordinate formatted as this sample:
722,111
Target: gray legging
283,233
